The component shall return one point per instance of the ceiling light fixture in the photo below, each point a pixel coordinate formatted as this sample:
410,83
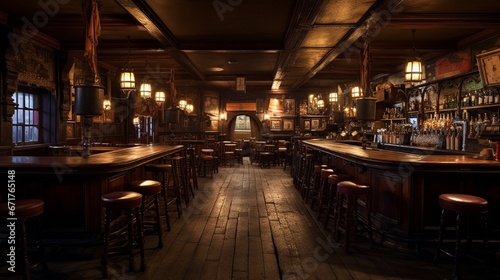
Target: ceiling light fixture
160,97
333,97
127,77
145,90
356,92
413,70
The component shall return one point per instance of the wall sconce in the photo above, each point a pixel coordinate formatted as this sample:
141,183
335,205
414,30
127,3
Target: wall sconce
160,97
189,108
106,104
321,102
413,70
267,117
356,92
223,117
145,90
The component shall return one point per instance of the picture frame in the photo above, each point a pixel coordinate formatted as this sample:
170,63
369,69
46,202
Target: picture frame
211,105
289,107
275,125
303,108
288,124
489,67
315,124
307,124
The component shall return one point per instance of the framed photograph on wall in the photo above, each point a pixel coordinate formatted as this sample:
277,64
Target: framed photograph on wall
289,107
303,108
307,124
315,124
211,105
288,124
489,67
275,124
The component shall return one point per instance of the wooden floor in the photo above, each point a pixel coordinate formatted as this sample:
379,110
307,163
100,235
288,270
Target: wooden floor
250,223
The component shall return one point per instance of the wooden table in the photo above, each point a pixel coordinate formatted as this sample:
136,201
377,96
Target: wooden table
71,187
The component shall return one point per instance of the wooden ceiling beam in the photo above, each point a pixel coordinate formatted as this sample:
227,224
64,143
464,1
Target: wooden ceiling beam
435,21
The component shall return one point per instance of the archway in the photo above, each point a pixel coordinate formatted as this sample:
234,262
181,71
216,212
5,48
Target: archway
243,125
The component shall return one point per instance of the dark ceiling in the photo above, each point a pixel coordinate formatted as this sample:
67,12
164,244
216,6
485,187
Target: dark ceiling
309,45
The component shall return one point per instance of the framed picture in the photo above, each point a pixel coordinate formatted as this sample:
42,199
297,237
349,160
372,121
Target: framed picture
489,67
307,124
275,124
303,108
289,107
211,105
315,124
288,124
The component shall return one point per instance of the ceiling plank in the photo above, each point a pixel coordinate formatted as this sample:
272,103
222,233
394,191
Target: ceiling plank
439,21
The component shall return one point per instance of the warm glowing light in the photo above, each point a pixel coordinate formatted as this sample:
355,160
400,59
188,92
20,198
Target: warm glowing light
267,117
106,104
145,90
223,117
127,80
356,92
413,71
321,102
333,97
160,96
182,104
189,108
136,120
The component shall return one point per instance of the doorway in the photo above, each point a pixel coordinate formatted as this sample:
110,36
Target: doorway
243,127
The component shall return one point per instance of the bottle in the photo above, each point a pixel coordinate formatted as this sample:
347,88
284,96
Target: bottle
480,98
458,140
491,98
473,99
497,97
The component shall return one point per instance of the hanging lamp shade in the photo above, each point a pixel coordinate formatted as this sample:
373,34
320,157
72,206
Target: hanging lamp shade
127,80
160,96
189,108
145,90
413,70
333,97
89,100
356,92
365,108
321,102
182,104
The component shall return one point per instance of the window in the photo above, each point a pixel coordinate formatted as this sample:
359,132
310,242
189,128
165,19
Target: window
26,118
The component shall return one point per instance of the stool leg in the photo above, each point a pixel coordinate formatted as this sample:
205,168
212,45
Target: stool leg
41,246
131,238
369,217
457,248
140,239
158,224
440,236
24,251
104,261
336,216
484,225
166,182
348,222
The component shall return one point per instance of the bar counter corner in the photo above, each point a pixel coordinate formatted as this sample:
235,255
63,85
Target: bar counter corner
71,187
406,186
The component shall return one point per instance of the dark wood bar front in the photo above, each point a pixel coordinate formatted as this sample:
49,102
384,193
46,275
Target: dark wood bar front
406,186
71,187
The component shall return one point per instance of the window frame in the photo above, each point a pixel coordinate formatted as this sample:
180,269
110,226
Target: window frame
37,117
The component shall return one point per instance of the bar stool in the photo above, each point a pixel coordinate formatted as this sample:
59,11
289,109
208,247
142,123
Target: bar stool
351,192
320,195
333,180
228,156
207,163
25,209
192,173
462,204
162,171
179,172
313,183
129,202
149,188
305,171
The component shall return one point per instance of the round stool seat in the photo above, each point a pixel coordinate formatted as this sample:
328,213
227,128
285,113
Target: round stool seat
160,167
121,200
25,208
145,187
351,188
206,157
463,203
337,178
318,167
326,172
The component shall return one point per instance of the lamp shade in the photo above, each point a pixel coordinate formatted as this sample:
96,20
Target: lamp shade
106,105
365,108
321,103
160,96
89,100
413,71
145,90
333,97
182,104
127,80
356,92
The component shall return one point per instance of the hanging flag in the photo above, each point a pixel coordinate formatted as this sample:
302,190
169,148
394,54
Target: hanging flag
92,32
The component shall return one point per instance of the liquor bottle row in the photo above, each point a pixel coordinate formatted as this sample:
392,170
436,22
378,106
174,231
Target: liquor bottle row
481,97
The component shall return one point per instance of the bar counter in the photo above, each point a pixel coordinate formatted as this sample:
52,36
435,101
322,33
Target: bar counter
406,186
71,187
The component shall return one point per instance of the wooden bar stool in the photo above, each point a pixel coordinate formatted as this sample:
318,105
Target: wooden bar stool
163,171
320,195
207,162
313,183
149,188
129,202
461,204
179,172
333,180
306,170
192,172
351,192
25,209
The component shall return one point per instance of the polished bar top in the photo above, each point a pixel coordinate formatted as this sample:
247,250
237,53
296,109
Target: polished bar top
424,160
116,160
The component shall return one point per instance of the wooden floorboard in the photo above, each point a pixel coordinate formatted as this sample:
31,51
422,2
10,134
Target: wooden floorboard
251,223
